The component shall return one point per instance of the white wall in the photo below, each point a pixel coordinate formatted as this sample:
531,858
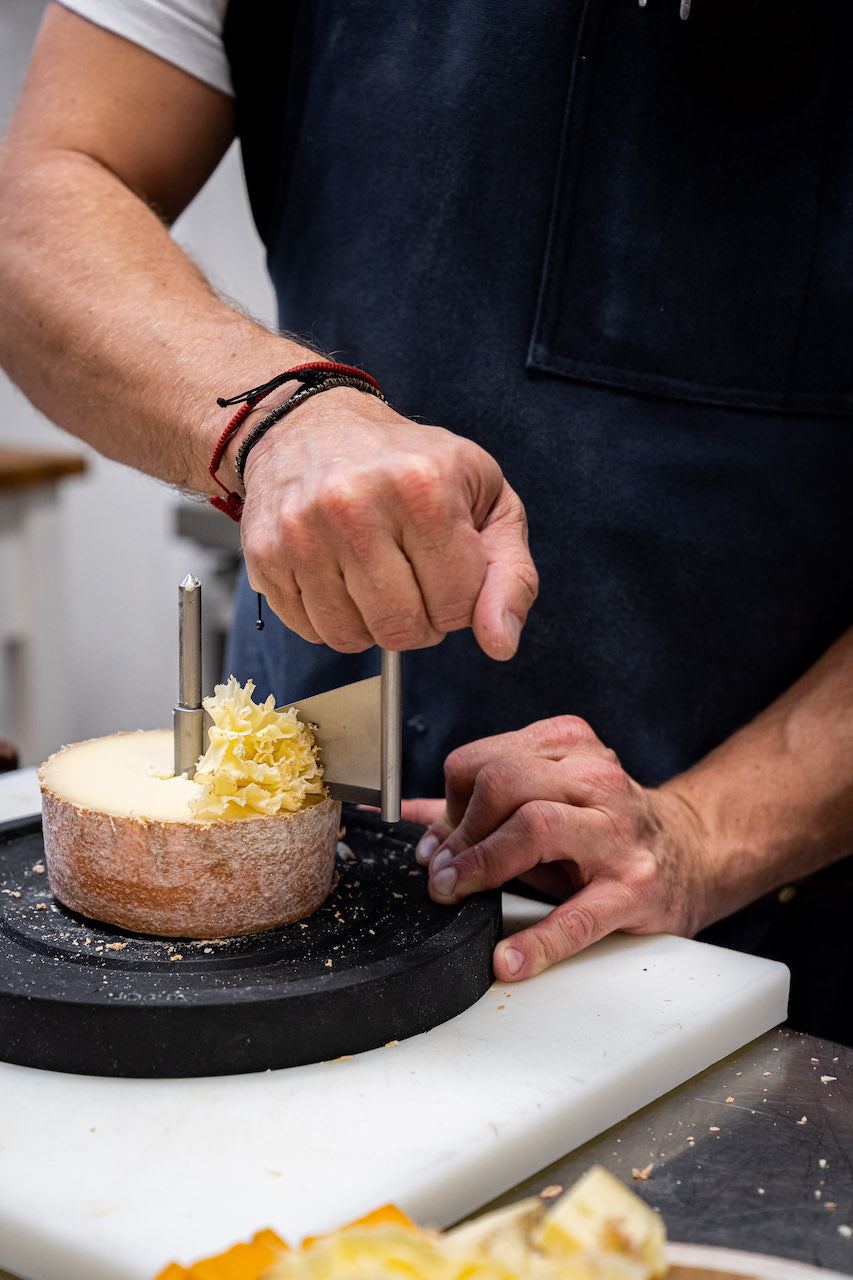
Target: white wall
120,561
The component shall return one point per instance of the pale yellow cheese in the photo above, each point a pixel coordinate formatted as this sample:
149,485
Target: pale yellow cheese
601,1215
127,773
598,1230
259,762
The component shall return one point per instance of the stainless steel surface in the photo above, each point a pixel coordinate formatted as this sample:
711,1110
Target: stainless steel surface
392,734
358,730
755,1153
188,720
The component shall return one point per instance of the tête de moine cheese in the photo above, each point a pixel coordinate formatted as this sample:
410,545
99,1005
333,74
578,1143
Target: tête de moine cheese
247,845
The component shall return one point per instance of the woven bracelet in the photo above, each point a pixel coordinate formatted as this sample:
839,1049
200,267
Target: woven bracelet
315,371
304,393
320,375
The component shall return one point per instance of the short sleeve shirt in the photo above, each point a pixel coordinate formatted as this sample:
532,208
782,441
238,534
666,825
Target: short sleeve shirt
187,33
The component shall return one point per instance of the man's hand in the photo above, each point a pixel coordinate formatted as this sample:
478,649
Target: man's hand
551,804
361,527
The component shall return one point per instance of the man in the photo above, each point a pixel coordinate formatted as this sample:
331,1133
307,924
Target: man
606,251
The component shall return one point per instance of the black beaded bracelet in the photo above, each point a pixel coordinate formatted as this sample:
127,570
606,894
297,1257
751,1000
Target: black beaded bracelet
275,415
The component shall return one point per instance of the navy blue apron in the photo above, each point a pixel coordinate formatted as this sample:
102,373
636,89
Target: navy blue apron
616,249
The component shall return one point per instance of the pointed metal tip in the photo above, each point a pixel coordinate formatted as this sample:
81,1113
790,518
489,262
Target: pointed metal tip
190,583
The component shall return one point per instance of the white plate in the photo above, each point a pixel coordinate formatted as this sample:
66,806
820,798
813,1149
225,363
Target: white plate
737,1262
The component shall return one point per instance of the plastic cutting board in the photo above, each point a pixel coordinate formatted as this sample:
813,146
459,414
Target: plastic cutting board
109,1179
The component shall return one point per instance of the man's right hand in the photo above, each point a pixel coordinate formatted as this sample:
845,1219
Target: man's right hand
361,527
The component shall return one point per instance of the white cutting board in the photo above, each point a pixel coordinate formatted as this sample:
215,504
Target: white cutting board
105,1179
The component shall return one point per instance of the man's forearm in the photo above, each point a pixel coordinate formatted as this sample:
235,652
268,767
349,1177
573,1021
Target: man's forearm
110,329
360,527
775,801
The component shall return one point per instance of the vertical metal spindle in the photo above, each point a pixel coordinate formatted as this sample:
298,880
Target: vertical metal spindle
188,721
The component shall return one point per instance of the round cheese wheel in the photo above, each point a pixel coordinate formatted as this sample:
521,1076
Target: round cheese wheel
122,846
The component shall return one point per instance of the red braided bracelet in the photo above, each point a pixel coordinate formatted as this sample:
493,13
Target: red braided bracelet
318,375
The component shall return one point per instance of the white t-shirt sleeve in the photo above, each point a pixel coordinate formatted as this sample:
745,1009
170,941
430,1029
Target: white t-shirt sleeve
187,33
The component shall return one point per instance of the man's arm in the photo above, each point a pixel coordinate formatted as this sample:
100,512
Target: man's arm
353,514
552,804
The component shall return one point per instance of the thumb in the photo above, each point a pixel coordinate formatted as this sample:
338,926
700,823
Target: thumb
585,918
511,583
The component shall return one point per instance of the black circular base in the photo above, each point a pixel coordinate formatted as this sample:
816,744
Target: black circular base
379,961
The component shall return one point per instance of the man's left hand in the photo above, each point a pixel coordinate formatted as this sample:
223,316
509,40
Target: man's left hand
551,804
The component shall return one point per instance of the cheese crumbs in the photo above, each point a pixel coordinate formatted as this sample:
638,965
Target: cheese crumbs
260,761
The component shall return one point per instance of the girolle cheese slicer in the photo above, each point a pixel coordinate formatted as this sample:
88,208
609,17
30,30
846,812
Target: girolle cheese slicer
358,727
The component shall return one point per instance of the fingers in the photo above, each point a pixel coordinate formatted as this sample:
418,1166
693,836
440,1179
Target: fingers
351,584
539,831
361,531
551,739
506,785
587,917
339,578
374,599
283,596
551,801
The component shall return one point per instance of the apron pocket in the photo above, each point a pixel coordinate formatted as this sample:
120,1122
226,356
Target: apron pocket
700,243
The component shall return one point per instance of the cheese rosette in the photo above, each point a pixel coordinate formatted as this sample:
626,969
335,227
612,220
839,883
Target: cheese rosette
260,761
248,844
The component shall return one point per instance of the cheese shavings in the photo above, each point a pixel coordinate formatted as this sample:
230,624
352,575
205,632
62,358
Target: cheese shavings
598,1230
260,761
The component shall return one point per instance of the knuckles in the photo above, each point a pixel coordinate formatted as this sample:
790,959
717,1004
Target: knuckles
421,486
461,766
642,879
402,633
565,730
344,504
577,927
528,576
608,776
567,930
347,642
416,486
541,822
260,550
499,778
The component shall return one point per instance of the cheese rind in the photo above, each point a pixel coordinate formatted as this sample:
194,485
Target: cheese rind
122,846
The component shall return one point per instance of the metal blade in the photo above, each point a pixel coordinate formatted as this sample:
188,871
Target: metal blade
359,733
